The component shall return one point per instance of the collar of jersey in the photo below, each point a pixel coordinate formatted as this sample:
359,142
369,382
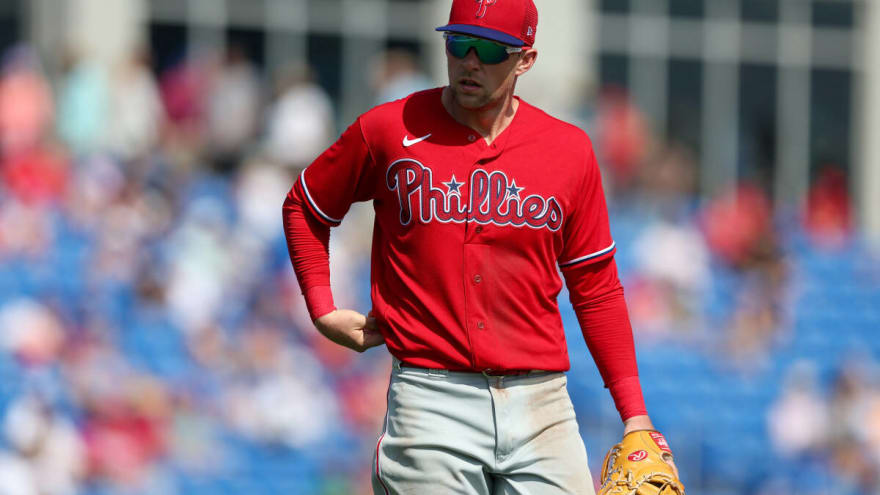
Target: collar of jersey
487,150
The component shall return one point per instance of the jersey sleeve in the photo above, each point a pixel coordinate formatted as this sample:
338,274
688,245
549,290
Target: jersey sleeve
586,234
340,176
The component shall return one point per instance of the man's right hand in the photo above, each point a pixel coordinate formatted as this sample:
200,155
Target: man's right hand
350,329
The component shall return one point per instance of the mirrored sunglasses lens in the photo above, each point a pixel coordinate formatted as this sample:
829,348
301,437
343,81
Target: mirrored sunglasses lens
487,51
492,54
458,46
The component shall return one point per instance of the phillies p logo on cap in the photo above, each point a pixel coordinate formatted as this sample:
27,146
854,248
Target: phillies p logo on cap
484,5
512,22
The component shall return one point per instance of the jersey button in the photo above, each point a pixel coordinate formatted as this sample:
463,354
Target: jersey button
477,279
472,138
479,229
481,325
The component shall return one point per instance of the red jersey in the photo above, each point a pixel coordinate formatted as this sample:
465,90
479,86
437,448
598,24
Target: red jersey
468,236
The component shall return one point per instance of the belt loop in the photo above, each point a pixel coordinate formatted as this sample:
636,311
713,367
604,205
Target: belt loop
496,381
395,363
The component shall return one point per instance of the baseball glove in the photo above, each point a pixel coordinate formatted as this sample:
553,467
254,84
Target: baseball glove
636,466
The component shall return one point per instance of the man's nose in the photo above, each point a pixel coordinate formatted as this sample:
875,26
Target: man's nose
471,60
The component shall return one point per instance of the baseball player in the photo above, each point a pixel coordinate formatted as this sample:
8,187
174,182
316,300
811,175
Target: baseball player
480,199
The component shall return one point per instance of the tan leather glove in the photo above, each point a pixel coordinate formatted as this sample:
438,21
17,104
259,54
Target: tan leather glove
636,466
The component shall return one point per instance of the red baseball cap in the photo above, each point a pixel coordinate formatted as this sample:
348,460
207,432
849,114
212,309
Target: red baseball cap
512,22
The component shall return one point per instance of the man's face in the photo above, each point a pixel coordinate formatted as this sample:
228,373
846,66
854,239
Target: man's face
476,85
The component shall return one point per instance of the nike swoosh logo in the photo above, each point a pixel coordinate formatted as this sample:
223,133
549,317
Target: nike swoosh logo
407,142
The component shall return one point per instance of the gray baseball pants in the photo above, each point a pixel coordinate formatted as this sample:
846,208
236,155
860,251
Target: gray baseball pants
449,432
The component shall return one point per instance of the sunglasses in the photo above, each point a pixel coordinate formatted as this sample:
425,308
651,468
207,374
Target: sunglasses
489,52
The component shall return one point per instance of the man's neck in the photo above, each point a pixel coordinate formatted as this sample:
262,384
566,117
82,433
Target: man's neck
489,121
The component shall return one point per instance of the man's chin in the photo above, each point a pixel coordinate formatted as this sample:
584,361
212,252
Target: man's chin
470,101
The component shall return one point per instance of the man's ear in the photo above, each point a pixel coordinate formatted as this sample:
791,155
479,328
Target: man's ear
526,60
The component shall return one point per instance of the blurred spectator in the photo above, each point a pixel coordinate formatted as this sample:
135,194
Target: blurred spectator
25,101
95,186
738,225
828,218
396,75
669,177
350,244
300,121
259,185
18,478
184,90
798,420
30,331
51,445
362,394
263,409
739,229
623,139
855,402
125,416
200,268
183,87
233,109
25,231
30,170
122,444
754,326
195,437
37,174
136,112
131,217
83,105
673,268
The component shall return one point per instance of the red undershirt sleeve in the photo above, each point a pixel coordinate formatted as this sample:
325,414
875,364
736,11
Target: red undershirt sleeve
323,193
597,297
308,242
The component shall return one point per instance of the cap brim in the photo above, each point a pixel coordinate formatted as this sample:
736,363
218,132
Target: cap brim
483,32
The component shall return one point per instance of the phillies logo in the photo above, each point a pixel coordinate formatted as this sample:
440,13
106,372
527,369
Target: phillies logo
483,7
491,198
638,455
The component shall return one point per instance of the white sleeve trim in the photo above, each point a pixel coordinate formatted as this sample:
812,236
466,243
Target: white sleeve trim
302,179
589,256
